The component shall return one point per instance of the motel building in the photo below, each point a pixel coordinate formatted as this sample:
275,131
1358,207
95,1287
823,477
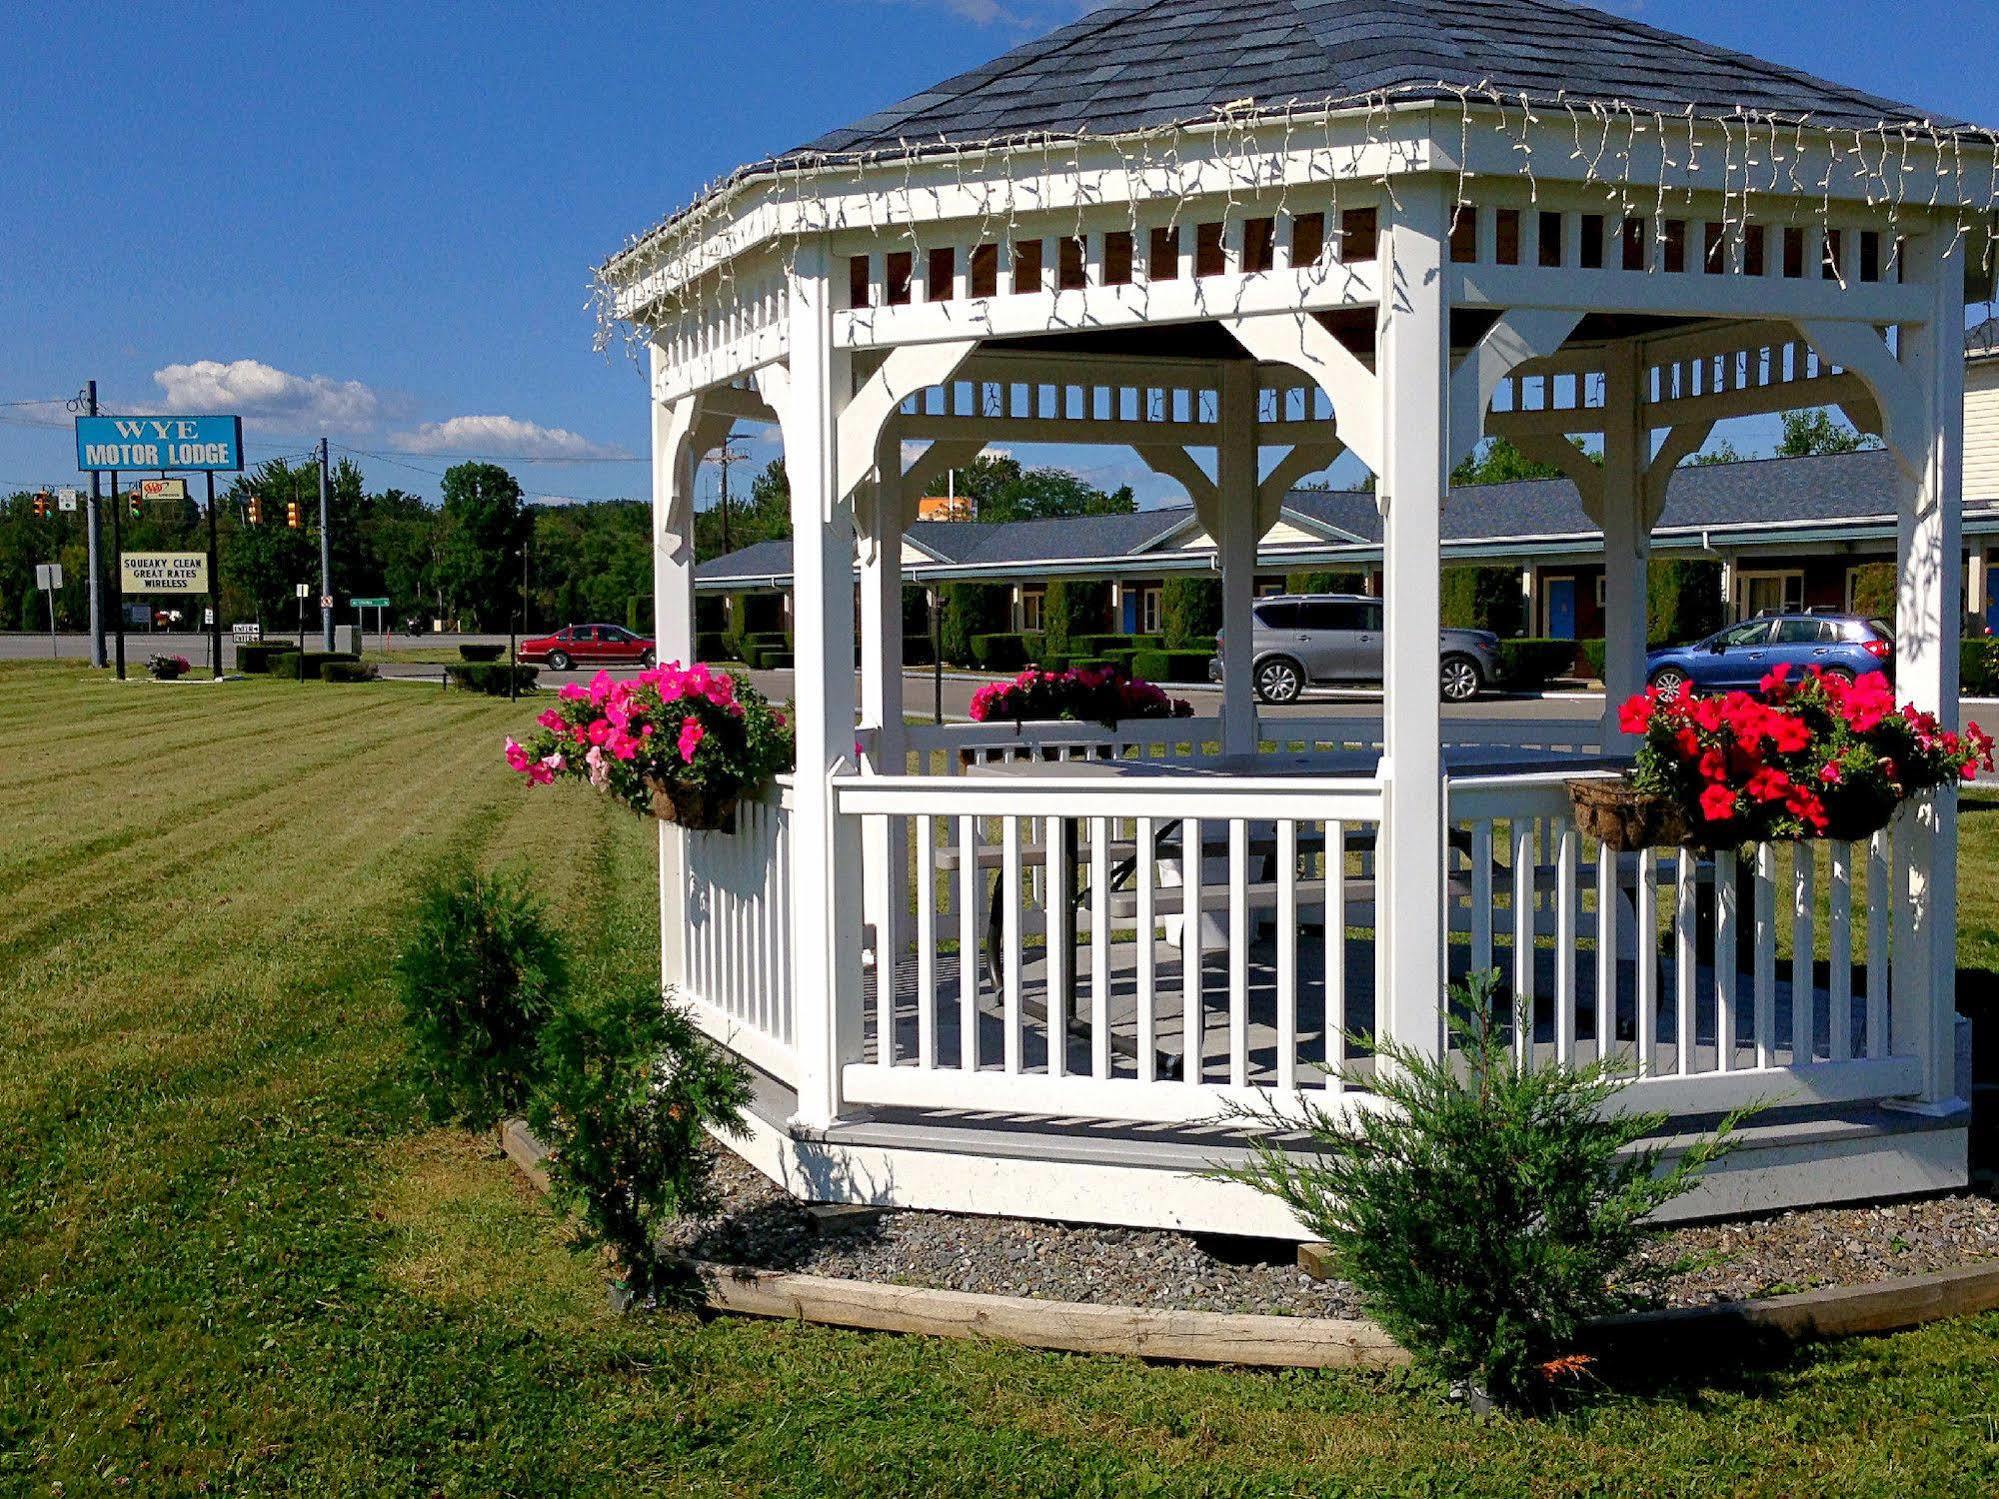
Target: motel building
1787,533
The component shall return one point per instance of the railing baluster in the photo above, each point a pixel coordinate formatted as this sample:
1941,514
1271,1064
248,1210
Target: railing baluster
1645,964
926,942
1565,944
1287,953
1100,947
1193,1003
1481,896
1523,937
1879,852
1803,1029
1059,910
1763,1022
1606,949
968,943
1839,938
1010,1000
1685,899
1148,954
1238,953
1724,960
1335,1019
885,975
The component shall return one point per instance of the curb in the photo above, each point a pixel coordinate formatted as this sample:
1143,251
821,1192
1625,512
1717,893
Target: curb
1291,1342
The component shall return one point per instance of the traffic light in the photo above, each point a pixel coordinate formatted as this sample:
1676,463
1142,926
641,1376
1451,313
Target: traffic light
132,503
256,511
41,506
291,514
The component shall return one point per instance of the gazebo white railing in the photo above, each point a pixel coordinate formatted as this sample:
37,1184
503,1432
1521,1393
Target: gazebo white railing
941,928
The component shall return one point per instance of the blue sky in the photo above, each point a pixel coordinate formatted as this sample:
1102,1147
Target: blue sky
377,221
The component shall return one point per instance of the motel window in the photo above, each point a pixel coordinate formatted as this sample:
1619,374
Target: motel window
1030,609
1151,619
1768,592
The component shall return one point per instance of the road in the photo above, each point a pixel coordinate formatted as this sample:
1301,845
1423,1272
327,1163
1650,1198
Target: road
919,692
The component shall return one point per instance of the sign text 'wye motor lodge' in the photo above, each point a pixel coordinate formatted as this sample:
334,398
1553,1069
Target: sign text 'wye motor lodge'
159,442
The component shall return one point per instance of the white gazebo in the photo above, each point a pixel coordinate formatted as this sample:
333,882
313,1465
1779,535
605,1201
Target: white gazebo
1024,973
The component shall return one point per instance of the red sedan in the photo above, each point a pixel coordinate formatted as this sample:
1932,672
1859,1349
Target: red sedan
588,645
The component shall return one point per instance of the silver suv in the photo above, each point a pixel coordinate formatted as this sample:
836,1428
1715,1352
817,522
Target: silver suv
1323,639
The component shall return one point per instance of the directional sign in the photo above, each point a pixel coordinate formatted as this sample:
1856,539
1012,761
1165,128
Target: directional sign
369,603
159,442
163,572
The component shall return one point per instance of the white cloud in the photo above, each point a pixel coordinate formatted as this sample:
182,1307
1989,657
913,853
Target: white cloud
266,394
1035,15
506,437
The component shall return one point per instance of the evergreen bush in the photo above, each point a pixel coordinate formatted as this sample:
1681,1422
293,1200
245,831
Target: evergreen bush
1683,600
1483,598
1171,666
1191,607
1071,610
1310,581
971,610
1493,1208
1006,651
481,970
629,1088
481,653
293,667
495,679
346,671
254,658
1527,665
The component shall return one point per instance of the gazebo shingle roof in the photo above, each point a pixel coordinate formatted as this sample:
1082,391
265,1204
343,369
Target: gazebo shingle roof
1143,63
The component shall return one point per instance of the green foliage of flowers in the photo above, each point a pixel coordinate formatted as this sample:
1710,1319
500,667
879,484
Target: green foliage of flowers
1491,1208
630,1086
480,972
669,725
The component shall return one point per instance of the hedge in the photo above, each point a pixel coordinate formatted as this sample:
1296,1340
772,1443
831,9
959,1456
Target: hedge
1978,667
638,613
1070,610
754,650
712,645
254,658
1106,645
1874,590
293,667
481,652
1483,598
1528,664
1171,666
346,671
711,613
971,610
1006,651
1683,601
492,678
1192,607
1325,582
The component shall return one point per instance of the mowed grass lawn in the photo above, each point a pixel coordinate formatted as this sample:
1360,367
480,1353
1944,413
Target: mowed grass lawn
235,1257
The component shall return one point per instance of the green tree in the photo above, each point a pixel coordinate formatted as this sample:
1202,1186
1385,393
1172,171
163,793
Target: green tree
763,515
486,523
1497,461
1817,431
1001,489
1722,452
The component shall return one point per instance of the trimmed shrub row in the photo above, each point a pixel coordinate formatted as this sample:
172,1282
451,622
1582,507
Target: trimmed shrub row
711,645
1006,651
758,650
1526,665
346,671
495,678
254,659
1978,667
481,653
1172,666
293,667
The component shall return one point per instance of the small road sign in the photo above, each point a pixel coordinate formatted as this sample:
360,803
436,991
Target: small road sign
48,576
369,603
305,590
326,601
66,499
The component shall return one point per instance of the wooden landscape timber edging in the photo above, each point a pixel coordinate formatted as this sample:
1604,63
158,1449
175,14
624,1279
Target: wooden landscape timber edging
1290,1342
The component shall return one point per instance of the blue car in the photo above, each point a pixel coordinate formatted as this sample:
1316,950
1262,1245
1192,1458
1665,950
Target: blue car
1740,656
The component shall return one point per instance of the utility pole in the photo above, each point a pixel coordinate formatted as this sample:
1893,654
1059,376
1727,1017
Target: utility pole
722,460
93,525
214,589
325,555
118,575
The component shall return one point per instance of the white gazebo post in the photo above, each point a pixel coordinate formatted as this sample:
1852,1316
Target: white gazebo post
1928,624
1627,451
882,684
826,905
1237,531
1414,374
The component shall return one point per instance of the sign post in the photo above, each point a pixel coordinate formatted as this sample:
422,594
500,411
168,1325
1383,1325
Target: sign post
304,593
380,607
48,578
214,589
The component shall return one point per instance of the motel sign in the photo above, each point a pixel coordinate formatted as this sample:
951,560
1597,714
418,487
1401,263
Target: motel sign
209,443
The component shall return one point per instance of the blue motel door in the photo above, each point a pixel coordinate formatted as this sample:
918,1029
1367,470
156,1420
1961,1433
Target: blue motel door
1561,608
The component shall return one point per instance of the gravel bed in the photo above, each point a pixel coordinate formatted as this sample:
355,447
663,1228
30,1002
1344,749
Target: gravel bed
760,1225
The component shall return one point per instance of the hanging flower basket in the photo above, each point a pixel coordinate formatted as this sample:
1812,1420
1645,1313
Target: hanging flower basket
684,745
700,809
1623,817
1817,757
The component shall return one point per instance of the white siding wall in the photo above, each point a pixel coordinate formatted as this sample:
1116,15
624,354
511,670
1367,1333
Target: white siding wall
1981,431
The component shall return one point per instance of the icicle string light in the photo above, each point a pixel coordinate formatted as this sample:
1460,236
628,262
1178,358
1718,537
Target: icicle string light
721,269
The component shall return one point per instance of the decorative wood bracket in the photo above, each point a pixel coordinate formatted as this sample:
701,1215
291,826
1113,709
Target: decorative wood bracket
1521,334
1306,458
907,370
1681,443
1301,341
1902,405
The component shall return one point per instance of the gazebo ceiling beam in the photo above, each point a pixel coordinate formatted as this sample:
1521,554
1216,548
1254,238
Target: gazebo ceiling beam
1306,345
1690,296
1173,462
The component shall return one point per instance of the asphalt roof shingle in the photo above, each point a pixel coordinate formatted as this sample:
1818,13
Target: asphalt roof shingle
1136,64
